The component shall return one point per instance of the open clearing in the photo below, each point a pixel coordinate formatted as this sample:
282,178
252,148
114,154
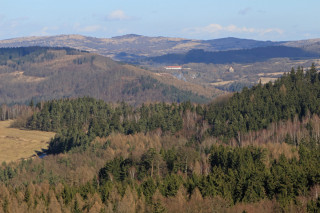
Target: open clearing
16,144
267,80
221,83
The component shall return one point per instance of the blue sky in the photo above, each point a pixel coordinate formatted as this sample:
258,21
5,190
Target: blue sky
202,19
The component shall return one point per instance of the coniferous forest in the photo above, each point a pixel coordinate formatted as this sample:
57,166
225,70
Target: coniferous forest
255,151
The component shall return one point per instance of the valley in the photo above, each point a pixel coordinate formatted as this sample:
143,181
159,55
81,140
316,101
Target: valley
242,74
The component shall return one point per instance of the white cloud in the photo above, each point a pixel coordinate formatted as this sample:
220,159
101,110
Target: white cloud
117,15
216,29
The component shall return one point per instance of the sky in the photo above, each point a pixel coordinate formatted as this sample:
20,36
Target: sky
275,20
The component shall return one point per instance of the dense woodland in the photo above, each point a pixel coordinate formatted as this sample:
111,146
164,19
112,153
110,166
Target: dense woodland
295,94
256,151
79,121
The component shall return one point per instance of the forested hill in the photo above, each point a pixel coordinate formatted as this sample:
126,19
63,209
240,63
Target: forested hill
296,94
257,54
169,158
135,45
42,73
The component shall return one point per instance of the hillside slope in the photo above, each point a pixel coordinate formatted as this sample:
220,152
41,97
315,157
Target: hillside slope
312,45
52,73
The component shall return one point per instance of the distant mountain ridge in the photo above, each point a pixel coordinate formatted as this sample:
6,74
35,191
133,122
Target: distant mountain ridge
257,54
135,46
207,62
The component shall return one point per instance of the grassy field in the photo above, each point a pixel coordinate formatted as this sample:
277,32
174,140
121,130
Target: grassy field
16,144
265,80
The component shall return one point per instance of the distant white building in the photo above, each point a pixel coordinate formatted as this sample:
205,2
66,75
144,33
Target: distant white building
173,67
231,69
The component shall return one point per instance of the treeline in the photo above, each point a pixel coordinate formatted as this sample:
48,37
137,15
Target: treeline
15,111
78,121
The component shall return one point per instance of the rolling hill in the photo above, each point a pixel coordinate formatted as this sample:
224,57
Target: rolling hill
133,46
208,61
44,73
312,45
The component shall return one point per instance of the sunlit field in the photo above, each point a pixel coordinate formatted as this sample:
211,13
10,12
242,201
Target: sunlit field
17,144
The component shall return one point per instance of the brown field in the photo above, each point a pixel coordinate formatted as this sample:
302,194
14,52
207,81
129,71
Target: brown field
16,144
18,76
265,80
221,83
270,74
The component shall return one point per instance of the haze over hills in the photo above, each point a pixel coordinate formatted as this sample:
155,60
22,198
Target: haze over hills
139,45
312,45
135,45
